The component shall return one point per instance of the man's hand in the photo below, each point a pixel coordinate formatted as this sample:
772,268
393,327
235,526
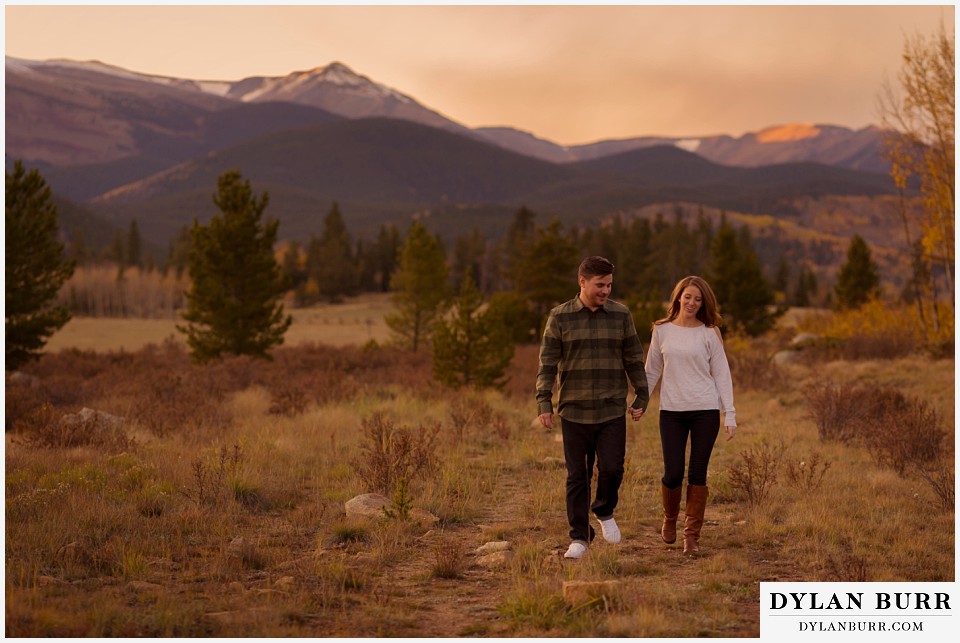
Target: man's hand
546,419
636,414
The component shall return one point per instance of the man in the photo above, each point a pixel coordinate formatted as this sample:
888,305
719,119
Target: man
590,343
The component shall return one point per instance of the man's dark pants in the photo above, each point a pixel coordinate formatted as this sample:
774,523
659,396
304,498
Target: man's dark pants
583,444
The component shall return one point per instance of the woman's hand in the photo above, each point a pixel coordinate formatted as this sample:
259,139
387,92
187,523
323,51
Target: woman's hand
636,414
731,431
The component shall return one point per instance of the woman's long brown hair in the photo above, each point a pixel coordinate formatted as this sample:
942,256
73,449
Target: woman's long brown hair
709,312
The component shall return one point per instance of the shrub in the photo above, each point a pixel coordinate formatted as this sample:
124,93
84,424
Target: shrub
842,411
757,474
941,479
391,453
807,474
449,558
907,435
879,330
900,432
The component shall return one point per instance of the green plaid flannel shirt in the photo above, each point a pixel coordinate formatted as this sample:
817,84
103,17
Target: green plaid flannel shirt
592,354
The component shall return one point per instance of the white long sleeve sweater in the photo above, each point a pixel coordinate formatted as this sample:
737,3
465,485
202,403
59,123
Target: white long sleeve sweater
694,369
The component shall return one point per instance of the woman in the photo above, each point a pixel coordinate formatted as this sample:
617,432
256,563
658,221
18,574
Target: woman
687,351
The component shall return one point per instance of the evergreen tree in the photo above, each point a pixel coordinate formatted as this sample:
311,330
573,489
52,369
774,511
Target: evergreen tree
77,251
117,253
516,242
336,271
386,253
471,347
468,255
858,281
781,282
178,254
293,267
805,289
744,294
540,275
35,267
419,287
233,305
134,249
724,263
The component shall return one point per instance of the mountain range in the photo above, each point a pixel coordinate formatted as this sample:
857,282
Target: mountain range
128,145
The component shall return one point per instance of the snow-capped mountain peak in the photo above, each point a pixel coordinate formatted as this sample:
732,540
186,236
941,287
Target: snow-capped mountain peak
299,84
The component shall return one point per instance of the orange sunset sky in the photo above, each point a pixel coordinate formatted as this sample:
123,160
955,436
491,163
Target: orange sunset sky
573,74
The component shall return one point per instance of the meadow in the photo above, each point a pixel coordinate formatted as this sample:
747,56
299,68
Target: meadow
217,507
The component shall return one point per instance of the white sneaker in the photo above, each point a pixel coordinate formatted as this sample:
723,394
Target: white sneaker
575,550
611,533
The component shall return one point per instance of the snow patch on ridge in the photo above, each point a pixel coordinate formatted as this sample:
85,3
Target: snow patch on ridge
688,144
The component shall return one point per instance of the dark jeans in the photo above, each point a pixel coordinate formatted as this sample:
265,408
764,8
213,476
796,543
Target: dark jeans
675,426
605,443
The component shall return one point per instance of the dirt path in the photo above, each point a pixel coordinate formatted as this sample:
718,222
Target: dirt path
470,605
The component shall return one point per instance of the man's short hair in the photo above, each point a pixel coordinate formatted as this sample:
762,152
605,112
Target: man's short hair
595,267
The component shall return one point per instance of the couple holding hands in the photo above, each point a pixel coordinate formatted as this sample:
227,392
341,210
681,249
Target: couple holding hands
590,348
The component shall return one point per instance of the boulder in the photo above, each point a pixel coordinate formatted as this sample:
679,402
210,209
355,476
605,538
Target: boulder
372,505
803,338
496,559
783,358
493,546
92,420
367,505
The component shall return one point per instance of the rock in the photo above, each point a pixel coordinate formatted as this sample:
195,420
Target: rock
71,552
553,463
50,581
371,505
92,420
23,379
493,546
496,559
423,516
803,338
578,592
144,586
782,358
367,505
285,582
239,548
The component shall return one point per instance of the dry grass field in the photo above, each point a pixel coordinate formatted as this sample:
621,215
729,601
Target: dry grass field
218,507
356,321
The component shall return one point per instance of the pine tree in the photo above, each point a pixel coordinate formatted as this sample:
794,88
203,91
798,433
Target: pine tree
386,254
293,268
134,249
419,287
468,255
233,305
35,267
471,347
539,275
744,294
336,270
805,289
724,264
857,281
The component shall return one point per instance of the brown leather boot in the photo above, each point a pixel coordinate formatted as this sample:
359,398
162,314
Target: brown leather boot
693,520
671,511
